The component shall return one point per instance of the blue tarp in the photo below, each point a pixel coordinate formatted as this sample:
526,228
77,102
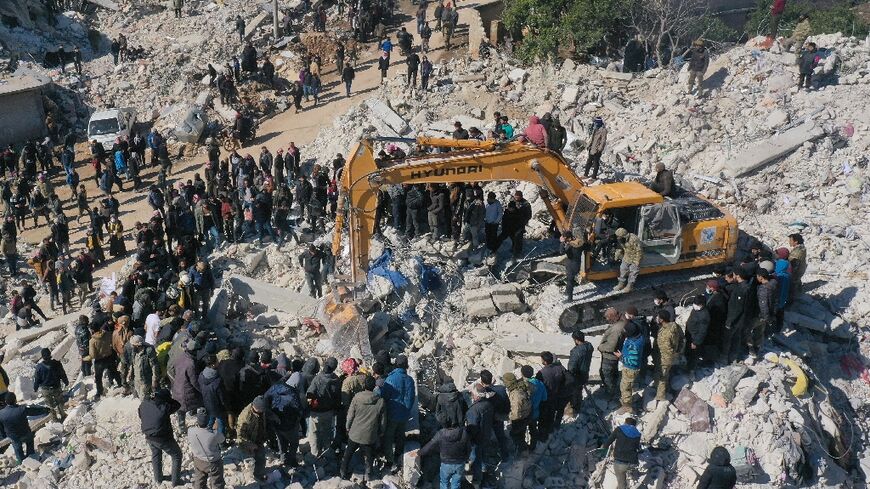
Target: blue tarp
430,277
379,268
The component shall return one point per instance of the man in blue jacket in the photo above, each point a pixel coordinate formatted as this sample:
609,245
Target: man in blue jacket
626,443
399,392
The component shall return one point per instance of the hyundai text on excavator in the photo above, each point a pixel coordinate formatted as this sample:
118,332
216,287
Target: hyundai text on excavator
677,233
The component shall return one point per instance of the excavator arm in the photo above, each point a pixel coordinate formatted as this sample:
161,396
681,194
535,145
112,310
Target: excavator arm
468,161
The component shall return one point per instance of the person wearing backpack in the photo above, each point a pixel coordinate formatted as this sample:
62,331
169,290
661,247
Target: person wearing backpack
286,405
631,355
519,393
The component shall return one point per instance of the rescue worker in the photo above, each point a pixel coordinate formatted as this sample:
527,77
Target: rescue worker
631,355
797,257
573,247
626,443
143,372
365,425
254,427
632,252
519,395
670,344
47,381
597,142
610,348
663,182
696,331
154,415
767,300
699,59
310,261
578,368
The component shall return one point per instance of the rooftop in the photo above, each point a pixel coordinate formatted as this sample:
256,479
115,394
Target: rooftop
21,83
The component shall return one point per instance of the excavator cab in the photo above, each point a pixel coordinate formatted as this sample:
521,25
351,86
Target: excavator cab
660,232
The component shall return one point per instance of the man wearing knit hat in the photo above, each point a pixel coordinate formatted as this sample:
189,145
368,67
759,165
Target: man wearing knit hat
631,357
254,428
205,450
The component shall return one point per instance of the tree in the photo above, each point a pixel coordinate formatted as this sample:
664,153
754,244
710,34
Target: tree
838,17
668,23
546,26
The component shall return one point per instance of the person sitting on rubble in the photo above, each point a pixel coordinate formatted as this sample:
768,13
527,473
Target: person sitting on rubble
663,182
719,474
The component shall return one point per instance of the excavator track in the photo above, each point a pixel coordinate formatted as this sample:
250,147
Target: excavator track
590,315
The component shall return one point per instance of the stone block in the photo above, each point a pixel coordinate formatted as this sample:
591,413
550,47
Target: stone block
31,464
518,75
253,260
481,308
570,94
383,112
472,295
504,289
509,303
776,118
273,297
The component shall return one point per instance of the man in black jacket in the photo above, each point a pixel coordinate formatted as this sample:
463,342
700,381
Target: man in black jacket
413,62
696,331
416,205
310,262
552,374
450,405
453,444
324,395
719,474
480,420
154,415
578,367
47,381
717,307
14,425
626,443
738,310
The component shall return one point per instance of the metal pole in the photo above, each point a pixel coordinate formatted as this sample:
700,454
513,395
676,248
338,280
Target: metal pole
275,20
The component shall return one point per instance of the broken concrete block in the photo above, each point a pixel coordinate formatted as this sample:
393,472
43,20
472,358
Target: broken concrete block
384,113
652,422
251,25
476,294
698,411
31,464
411,463
253,260
776,118
509,303
760,154
517,75
504,289
616,75
481,308
735,373
273,297
570,94
551,268
190,128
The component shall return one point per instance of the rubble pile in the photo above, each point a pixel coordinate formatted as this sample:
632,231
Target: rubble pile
727,144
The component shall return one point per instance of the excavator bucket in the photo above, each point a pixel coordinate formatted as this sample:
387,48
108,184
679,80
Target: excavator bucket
347,331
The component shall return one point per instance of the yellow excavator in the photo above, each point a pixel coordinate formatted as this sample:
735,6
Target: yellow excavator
677,233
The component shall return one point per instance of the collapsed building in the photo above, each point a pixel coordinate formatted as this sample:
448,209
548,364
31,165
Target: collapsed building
776,158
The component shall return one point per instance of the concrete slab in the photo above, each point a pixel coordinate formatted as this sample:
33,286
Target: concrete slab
767,151
252,25
383,112
616,75
481,308
273,297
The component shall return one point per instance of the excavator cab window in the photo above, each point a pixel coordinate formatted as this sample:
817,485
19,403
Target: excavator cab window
660,231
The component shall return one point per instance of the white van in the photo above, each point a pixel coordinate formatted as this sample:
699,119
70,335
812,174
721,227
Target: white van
107,125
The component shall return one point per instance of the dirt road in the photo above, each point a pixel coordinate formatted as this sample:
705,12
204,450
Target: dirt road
279,131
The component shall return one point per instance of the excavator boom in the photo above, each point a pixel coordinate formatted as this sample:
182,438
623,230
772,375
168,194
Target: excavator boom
469,161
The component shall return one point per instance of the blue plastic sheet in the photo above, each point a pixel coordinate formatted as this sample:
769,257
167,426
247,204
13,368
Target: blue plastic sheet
380,268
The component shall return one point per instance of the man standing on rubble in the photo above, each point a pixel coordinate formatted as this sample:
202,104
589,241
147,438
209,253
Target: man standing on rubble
47,381
626,443
632,252
240,27
400,393
205,450
738,310
310,261
154,416
324,398
578,368
797,257
609,347
699,59
573,247
177,5
696,332
631,357
14,425
670,345
474,218
597,142
413,62
767,296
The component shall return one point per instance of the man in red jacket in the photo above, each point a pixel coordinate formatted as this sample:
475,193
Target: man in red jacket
776,10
